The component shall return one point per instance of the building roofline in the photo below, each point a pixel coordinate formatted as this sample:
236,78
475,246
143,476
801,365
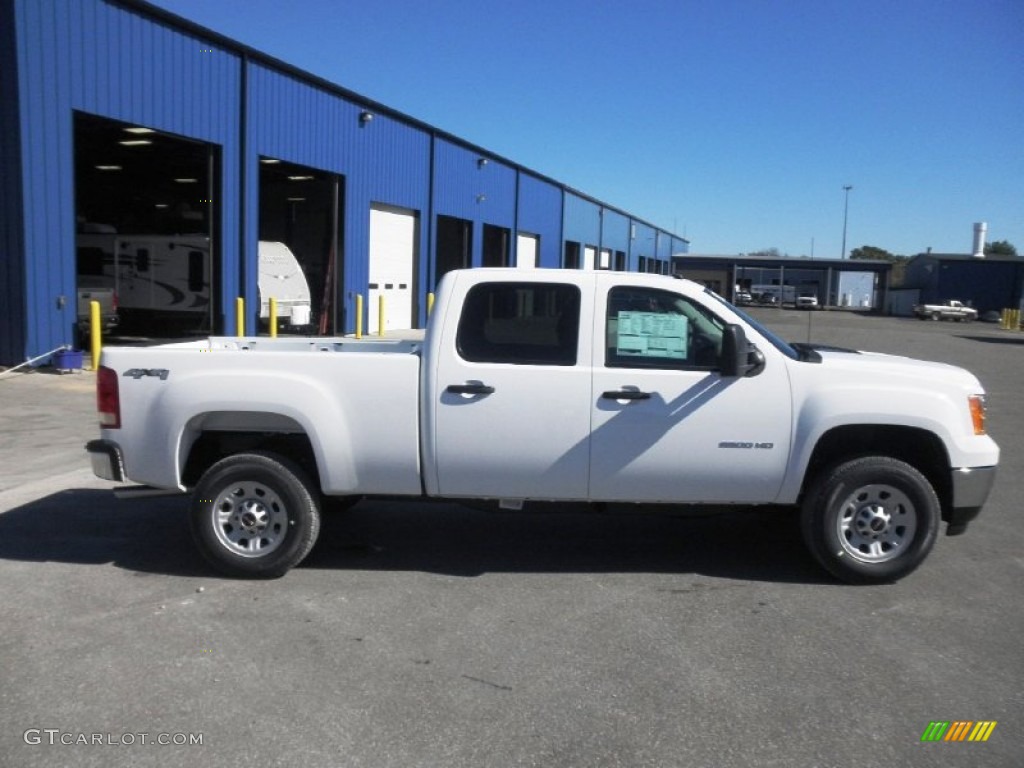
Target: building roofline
1002,257
247,52
860,265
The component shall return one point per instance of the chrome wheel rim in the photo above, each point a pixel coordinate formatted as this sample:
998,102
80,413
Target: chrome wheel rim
249,519
876,523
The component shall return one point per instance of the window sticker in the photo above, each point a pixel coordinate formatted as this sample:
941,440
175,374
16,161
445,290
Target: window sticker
652,334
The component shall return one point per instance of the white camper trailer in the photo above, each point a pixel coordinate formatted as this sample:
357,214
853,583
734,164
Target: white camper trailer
164,276
166,280
281,278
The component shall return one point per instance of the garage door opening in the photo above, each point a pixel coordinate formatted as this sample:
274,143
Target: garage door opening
145,216
497,249
299,246
454,245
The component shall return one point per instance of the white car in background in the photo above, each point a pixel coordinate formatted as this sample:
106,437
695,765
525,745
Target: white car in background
807,301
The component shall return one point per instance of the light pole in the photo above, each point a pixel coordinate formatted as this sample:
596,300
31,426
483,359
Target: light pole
846,209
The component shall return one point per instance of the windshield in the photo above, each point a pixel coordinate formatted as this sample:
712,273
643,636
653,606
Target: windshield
781,345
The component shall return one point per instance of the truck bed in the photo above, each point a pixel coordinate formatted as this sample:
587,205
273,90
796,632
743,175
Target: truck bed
365,394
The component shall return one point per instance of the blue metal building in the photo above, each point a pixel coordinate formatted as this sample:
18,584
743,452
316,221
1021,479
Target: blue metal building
73,72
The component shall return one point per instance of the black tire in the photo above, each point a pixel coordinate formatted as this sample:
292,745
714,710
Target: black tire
255,515
871,520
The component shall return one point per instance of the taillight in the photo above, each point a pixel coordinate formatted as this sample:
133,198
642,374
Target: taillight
113,301
108,400
977,406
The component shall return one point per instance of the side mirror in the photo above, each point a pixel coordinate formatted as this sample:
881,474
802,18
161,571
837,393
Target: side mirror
739,358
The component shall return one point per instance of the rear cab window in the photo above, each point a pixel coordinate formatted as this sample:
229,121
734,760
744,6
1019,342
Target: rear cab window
520,323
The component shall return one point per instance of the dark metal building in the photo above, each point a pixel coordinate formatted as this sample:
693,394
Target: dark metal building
783,278
119,117
992,283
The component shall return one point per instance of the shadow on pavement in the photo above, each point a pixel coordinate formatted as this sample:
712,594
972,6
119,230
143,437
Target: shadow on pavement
454,540
91,527
996,339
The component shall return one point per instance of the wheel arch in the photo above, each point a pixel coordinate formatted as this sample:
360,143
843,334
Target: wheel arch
213,436
918,447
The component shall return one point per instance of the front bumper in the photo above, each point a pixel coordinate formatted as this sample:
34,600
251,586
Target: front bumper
107,463
971,487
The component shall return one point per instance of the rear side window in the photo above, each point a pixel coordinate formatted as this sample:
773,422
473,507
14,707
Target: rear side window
520,324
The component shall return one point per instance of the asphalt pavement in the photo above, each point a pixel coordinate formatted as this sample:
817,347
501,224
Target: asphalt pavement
421,634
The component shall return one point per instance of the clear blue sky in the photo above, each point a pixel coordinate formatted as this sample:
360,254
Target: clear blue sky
733,122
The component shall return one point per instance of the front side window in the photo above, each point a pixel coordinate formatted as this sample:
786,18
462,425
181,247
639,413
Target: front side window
651,328
520,324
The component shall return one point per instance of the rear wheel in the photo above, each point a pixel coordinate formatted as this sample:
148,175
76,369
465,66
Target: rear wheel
255,514
871,520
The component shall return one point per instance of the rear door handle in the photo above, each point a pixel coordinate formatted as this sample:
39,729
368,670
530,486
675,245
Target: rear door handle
470,389
626,394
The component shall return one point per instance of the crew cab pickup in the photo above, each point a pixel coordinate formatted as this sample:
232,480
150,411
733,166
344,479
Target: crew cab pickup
951,310
551,385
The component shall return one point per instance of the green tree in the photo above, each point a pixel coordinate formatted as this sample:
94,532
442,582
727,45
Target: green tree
1000,248
899,263
874,253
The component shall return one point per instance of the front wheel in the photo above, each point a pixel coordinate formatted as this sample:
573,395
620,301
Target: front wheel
254,514
871,520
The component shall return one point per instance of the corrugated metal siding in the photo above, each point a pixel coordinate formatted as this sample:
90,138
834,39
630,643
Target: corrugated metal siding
382,161
90,56
642,245
582,220
540,213
989,285
12,251
664,249
137,65
615,234
465,188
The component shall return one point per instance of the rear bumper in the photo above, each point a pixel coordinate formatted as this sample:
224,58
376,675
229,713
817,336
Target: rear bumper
971,487
107,463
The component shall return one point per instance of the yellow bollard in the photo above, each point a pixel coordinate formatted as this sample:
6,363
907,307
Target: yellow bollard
380,315
95,334
430,303
240,317
273,318
359,316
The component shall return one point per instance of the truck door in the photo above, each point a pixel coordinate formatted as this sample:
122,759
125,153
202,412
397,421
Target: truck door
667,427
512,394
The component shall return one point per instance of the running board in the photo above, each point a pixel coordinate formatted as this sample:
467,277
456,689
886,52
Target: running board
144,492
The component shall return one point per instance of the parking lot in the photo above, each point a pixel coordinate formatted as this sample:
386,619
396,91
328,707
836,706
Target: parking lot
424,634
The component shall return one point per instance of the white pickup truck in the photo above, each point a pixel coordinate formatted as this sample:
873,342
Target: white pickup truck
951,310
551,385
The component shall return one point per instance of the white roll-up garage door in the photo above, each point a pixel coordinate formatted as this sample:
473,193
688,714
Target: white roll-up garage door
589,257
393,237
526,251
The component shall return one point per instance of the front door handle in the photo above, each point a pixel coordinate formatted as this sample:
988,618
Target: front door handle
470,389
626,394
